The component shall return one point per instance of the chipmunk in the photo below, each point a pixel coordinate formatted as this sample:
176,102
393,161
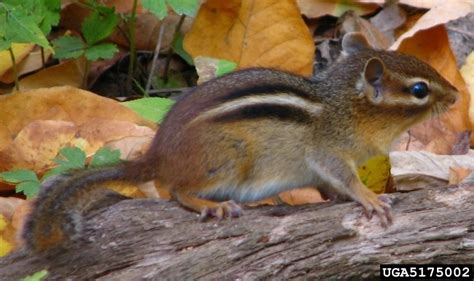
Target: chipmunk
254,133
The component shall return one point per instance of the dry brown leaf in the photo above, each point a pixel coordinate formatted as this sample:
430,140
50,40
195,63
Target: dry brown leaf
467,72
439,134
129,138
9,205
68,73
388,20
413,170
147,24
267,33
36,145
40,141
205,68
458,174
316,9
449,10
353,23
428,164
411,20
72,16
427,4
149,29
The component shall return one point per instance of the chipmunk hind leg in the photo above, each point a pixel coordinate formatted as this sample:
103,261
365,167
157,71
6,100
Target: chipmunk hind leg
207,208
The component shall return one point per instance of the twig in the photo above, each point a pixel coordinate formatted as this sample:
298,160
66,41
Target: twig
170,52
15,70
133,52
409,141
155,58
169,90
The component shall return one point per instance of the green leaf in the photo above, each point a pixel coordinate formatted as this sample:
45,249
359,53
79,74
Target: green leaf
5,42
101,51
224,67
29,188
153,109
157,7
18,176
99,25
179,49
54,172
71,158
21,27
38,276
105,156
68,47
51,15
184,7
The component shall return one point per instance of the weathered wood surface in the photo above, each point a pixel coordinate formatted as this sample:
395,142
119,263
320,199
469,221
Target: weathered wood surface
150,239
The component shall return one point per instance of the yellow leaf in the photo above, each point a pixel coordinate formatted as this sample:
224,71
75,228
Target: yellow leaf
375,173
20,51
32,62
5,246
265,33
3,223
126,189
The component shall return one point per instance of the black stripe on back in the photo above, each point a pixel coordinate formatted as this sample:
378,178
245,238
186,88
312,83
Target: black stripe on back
266,111
266,89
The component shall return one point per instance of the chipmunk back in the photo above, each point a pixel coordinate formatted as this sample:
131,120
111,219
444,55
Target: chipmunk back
254,133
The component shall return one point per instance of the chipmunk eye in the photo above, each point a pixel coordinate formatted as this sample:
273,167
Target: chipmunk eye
419,90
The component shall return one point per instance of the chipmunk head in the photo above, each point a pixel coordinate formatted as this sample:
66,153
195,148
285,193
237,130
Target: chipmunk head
395,80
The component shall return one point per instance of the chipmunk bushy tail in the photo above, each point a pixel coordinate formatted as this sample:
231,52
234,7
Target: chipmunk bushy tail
56,215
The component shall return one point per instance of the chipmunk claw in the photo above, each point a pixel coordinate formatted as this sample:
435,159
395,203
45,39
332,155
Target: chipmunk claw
227,209
380,205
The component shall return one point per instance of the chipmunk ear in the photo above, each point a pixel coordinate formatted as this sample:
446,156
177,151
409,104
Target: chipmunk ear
373,75
354,42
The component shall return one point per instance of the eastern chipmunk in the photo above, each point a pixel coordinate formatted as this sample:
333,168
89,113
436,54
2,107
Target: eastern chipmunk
254,133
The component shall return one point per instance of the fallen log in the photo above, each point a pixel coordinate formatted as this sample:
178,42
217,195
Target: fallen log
154,239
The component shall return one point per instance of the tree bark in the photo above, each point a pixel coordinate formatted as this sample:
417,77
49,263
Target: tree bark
151,239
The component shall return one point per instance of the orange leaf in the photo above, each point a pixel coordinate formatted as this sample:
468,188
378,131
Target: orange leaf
265,33
68,73
34,125
301,196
